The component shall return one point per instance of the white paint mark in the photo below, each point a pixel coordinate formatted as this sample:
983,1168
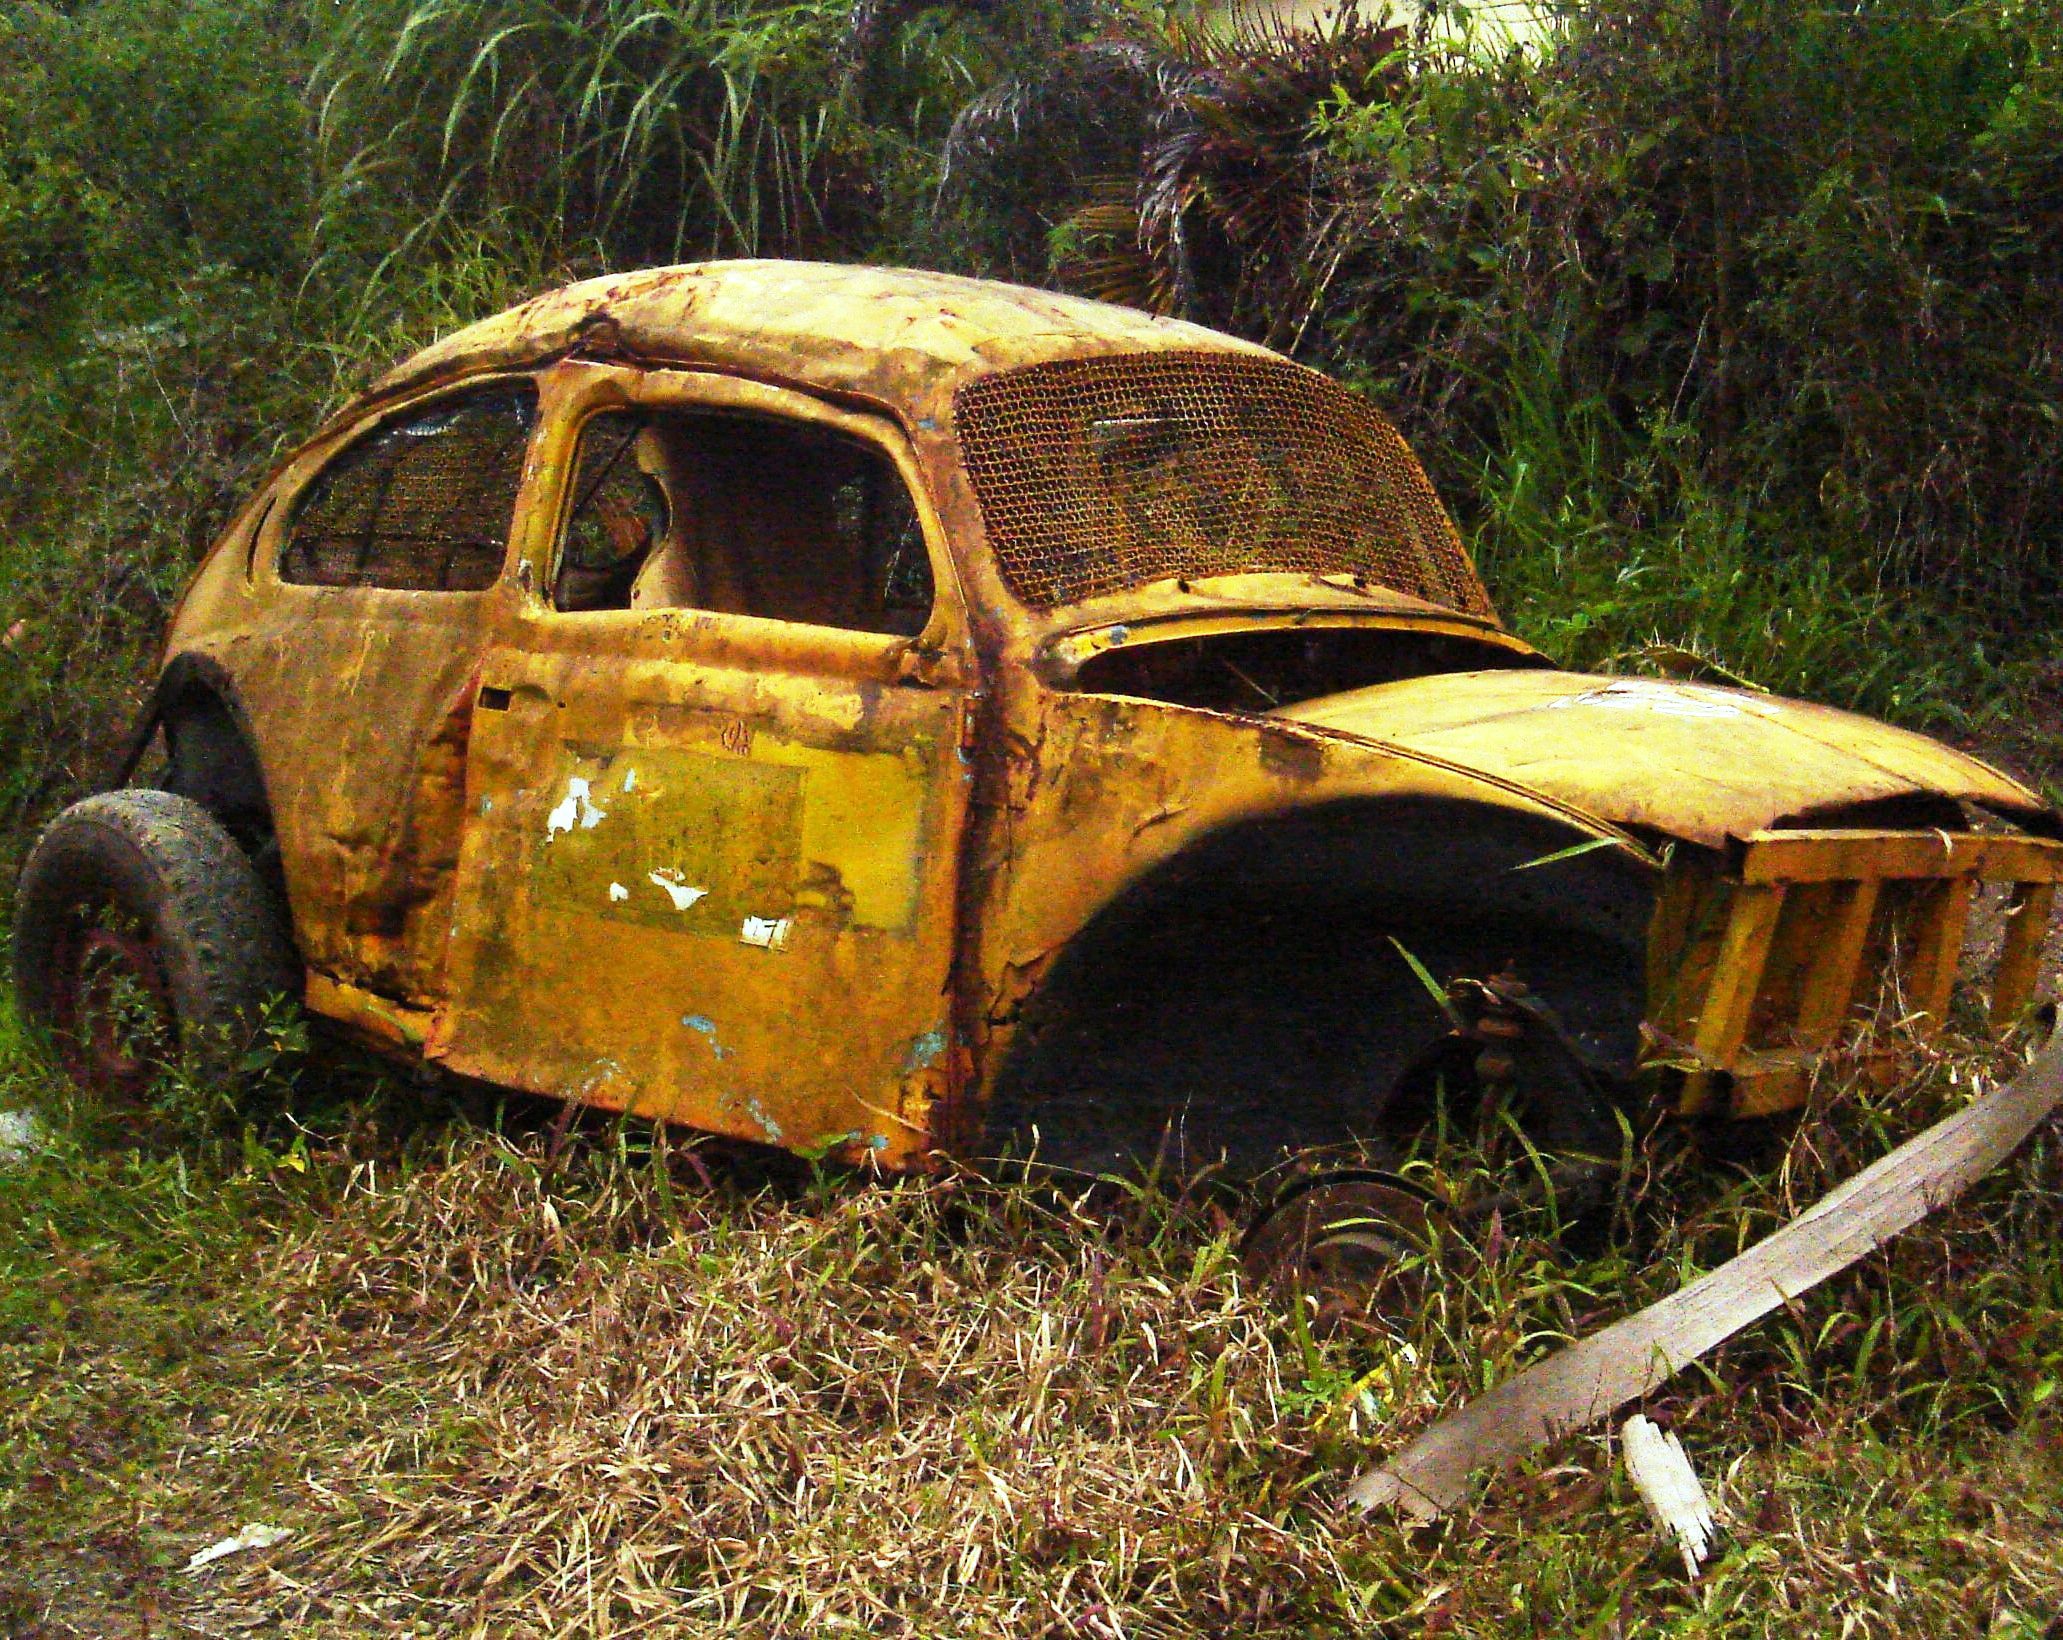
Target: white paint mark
1684,700
618,893
575,808
768,932
630,780
678,888
767,1125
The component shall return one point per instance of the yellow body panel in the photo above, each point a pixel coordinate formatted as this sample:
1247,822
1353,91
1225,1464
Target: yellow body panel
1688,760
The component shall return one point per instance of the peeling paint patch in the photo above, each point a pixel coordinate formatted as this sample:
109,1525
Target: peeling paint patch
925,1050
574,808
707,1027
771,933
677,888
618,893
1683,700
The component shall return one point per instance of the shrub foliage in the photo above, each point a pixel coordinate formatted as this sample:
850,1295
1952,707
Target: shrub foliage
1725,322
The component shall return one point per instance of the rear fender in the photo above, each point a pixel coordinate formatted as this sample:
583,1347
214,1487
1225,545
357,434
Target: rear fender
210,746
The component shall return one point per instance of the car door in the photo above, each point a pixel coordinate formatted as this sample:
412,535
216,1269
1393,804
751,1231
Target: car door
714,786
377,575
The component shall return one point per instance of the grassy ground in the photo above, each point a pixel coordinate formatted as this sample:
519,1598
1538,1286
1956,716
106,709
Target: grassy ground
633,1387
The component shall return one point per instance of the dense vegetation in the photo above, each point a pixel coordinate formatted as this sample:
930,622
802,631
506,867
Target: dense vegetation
1727,325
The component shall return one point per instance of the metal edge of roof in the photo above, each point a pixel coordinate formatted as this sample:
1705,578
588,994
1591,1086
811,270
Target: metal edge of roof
899,336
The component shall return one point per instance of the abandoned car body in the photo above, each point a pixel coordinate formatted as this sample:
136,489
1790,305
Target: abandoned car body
909,715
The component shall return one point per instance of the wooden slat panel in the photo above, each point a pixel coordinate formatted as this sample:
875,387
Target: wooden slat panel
1940,916
1723,1019
1766,1083
1830,982
1841,856
2027,922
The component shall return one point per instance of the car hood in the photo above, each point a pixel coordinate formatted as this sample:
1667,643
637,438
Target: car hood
1690,760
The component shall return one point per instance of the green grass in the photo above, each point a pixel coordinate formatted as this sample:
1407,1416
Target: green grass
499,1391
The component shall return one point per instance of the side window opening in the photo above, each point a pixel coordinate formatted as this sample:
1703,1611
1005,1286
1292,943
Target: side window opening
420,504
688,509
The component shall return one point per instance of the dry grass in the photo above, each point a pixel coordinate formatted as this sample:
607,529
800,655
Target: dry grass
499,1393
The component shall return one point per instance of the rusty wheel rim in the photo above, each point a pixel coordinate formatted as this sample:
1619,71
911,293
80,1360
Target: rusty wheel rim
115,1027
1352,1235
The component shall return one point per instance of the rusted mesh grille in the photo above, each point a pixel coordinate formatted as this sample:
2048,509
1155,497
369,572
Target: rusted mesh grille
1099,474
420,505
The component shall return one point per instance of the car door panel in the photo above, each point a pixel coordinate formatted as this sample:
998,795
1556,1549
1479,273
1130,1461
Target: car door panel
362,696
708,874
703,893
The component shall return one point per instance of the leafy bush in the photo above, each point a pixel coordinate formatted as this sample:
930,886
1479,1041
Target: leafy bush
140,135
1817,238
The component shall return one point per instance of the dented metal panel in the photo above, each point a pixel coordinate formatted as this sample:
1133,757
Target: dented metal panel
1687,760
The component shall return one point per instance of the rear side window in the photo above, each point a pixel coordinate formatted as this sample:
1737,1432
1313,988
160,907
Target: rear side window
419,504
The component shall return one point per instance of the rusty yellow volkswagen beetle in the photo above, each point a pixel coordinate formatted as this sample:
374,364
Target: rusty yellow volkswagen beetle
904,716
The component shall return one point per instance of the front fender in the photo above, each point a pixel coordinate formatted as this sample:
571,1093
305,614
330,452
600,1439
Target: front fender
1103,793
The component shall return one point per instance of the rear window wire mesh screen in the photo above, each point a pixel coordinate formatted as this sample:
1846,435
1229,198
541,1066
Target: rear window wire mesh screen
1099,474
421,504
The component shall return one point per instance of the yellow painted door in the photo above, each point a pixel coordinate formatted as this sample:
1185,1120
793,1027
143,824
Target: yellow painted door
709,861
381,581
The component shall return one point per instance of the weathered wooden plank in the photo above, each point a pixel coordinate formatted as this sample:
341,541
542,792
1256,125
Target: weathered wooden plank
1943,912
1667,1484
1830,980
1736,978
2027,924
1843,856
1598,1374
1766,1083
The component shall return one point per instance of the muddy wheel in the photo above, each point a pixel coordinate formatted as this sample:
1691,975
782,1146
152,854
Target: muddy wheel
143,937
1356,1234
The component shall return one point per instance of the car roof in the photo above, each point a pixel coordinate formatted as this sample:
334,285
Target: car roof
899,337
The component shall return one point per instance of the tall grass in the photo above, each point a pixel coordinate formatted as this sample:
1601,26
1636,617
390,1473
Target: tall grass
661,129
1605,548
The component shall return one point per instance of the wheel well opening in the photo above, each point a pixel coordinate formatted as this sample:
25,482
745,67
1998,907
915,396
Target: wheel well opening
210,760
1254,997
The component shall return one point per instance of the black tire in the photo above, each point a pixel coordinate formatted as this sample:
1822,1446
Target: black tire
143,934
